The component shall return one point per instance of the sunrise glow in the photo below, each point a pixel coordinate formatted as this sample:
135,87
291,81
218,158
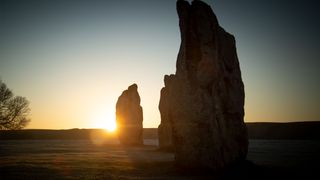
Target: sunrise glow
105,120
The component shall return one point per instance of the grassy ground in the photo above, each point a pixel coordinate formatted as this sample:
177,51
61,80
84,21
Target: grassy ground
88,159
56,159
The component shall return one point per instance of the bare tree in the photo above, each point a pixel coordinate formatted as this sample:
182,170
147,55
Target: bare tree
13,109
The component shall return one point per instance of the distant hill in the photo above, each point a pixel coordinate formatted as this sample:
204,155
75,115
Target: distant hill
53,134
296,130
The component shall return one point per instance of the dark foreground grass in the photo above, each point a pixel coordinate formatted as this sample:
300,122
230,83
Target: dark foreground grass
85,159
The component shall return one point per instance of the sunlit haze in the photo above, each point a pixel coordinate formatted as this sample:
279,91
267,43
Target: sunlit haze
104,119
72,59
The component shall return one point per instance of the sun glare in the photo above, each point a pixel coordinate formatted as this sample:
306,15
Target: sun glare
106,121
111,125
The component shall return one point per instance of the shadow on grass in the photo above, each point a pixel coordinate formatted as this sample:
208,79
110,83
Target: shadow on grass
29,172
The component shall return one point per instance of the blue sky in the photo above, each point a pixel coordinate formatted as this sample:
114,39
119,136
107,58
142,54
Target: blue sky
72,59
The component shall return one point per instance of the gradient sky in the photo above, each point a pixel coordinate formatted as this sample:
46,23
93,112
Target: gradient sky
72,59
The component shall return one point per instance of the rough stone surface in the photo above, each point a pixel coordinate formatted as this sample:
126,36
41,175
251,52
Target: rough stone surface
205,98
165,127
129,117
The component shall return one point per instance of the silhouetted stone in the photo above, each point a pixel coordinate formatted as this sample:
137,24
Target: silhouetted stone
165,128
129,117
205,97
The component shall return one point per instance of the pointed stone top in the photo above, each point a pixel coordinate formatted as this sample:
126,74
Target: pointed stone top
198,9
133,87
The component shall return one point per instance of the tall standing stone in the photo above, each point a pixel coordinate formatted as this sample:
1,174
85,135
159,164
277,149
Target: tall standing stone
129,117
205,98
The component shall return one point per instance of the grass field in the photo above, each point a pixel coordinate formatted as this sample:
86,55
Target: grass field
87,159
55,159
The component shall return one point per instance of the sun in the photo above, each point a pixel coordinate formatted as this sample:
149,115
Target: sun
105,120
111,125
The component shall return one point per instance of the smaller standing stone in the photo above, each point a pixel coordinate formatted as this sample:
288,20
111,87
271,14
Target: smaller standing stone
165,127
129,117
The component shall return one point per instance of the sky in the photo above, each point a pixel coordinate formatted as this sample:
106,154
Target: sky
72,59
